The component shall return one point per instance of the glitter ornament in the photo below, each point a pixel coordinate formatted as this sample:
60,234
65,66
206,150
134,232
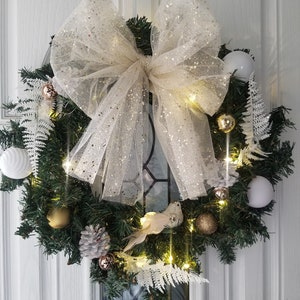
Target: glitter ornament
49,92
240,63
94,242
14,163
106,262
206,223
226,123
58,217
221,192
260,192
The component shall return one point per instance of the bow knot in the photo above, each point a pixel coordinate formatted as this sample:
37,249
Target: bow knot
145,61
146,68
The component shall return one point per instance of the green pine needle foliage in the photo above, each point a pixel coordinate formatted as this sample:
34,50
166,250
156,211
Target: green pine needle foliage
42,73
239,225
141,29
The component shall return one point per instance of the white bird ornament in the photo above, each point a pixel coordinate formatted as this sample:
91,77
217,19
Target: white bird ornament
154,223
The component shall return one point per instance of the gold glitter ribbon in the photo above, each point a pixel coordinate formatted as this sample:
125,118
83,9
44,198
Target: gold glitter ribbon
96,63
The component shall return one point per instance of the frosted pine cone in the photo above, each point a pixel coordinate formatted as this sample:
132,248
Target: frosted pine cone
94,242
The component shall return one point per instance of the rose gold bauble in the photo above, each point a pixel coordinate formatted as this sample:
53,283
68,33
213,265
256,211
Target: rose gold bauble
49,92
106,261
221,192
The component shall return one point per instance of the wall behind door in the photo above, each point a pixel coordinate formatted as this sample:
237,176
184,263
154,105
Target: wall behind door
267,271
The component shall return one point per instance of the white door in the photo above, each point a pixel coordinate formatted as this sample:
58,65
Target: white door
267,271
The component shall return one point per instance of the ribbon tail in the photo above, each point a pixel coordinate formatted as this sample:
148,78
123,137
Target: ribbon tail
112,145
185,139
85,158
125,153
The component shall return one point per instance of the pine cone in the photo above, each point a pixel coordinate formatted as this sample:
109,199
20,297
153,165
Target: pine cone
94,242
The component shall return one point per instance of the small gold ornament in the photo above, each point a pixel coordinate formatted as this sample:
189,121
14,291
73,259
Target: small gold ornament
206,223
221,193
226,123
49,92
58,217
106,262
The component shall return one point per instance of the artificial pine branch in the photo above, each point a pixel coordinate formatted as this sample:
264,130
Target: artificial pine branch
113,286
12,135
141,29
42,73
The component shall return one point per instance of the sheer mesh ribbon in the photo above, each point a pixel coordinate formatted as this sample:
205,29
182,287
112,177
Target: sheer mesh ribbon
97,64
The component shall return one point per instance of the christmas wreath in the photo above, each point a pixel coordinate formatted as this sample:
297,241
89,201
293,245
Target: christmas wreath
125,242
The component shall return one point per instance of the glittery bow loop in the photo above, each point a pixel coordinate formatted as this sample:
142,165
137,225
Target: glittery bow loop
97,64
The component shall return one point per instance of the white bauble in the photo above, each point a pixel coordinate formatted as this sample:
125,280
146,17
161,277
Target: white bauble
14,163
241,62
260,192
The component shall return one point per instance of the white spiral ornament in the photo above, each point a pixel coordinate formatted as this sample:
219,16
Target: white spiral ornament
14,163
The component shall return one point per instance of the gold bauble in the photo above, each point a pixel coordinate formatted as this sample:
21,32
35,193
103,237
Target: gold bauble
226,123
206,223
58,217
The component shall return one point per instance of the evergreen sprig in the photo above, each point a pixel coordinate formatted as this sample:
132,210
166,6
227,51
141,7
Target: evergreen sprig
141,29
42,73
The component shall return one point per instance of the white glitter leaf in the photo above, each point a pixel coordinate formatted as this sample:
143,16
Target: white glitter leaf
36,121
255,127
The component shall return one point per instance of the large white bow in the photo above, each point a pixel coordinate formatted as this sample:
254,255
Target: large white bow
96,62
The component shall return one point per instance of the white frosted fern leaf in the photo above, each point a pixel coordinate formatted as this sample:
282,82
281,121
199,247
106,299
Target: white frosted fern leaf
36,120
256,126
159,281
159,275
145,279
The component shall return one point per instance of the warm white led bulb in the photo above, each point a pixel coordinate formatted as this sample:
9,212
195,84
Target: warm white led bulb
67,165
